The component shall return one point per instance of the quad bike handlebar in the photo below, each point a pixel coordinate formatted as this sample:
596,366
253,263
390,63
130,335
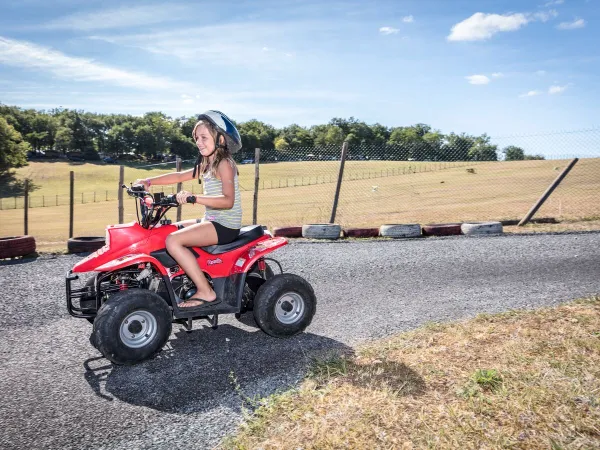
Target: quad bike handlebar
153,206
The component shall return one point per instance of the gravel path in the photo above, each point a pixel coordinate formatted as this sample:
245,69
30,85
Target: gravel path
58,393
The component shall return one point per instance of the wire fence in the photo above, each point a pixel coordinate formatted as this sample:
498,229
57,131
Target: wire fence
414,182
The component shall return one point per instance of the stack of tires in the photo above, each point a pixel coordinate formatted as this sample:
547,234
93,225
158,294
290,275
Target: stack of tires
14,246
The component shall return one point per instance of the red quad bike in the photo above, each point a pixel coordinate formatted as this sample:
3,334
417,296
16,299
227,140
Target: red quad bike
133,293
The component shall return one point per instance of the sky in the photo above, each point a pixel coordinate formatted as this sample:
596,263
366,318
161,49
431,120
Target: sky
498,67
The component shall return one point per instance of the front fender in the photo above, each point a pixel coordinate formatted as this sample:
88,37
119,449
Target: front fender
129,260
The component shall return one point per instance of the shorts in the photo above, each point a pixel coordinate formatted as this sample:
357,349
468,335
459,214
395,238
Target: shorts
225,235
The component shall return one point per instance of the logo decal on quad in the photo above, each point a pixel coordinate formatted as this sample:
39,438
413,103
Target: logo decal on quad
211,262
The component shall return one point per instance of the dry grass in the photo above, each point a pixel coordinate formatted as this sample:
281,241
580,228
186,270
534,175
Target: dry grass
522,379
437,192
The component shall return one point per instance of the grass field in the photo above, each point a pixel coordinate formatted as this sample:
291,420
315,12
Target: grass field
520,379
373,193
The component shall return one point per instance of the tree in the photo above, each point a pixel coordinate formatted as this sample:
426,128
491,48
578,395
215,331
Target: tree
482,150
13,150
513,153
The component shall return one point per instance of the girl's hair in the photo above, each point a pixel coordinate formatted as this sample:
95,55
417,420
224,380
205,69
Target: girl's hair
222,152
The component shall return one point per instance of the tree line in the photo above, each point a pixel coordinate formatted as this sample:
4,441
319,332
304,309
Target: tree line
155,135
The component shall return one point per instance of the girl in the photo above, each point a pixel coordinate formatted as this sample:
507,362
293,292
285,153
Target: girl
217,139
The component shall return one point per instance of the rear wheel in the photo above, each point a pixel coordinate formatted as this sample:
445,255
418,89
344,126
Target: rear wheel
284,305
131,326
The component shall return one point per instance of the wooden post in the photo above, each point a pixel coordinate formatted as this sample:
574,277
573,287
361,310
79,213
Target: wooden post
179,186
546,194
339,181
72,202
256,180
120,192
26,218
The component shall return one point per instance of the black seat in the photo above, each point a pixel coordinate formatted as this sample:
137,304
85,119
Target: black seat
247,235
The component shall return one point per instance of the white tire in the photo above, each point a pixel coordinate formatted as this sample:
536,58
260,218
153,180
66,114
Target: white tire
400,230
321,231
481,228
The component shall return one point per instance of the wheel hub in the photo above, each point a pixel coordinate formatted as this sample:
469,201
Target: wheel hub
138,329
289,308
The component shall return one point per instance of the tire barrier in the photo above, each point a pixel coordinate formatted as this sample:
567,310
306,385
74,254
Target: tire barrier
14,246
472,228
442,229
292,232
400,230
361,232
85,244
321,231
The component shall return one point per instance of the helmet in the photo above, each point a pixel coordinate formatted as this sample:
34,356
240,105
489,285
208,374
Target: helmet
224,126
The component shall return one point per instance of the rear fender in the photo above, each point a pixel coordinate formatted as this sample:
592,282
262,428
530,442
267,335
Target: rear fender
129,260
247,259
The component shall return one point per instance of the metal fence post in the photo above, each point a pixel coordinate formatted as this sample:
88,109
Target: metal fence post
546,194
179,186
256,181
120,192
72,202
26,218
339,181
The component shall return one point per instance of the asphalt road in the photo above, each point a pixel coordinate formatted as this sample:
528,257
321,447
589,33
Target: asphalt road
56,392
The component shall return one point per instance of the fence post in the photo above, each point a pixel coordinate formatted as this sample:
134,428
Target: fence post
26,206
72,202
339,181
256,180
120,192
179,186
546,194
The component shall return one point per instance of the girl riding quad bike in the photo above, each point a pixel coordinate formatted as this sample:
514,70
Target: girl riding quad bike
138,289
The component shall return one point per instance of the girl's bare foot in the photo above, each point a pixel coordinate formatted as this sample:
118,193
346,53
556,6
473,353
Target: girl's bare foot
199,299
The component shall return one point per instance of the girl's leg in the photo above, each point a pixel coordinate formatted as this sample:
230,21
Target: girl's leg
197,235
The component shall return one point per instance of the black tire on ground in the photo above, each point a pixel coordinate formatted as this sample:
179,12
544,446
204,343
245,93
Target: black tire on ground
132,326
321,231
441,229
476,228
13,246
292,232
284,305
361,232
84,244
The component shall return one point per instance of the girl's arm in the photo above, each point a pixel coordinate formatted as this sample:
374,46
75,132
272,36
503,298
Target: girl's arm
227,199
167,178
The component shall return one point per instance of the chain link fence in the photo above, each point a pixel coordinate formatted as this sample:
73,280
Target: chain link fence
425,182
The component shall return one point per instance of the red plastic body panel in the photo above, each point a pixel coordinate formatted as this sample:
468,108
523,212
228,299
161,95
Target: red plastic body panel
130,244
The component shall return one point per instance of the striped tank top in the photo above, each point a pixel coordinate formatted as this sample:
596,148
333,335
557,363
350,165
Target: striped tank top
230,218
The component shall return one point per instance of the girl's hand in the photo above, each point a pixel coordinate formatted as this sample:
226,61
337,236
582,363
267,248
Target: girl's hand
143,181
182,197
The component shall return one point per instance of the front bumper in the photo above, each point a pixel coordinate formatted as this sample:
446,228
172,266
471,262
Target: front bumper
81,302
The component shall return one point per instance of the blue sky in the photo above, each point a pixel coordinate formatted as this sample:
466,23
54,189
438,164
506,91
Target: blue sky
501,67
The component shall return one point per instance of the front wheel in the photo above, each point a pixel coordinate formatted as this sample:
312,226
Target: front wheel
132,326
284,305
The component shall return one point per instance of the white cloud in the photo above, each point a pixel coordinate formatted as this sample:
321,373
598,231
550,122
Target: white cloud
557,89
497,74
478,79
545,16
554,2
541,72
388,30
123,17
482,26
408,19
577,23
531,94
31,56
